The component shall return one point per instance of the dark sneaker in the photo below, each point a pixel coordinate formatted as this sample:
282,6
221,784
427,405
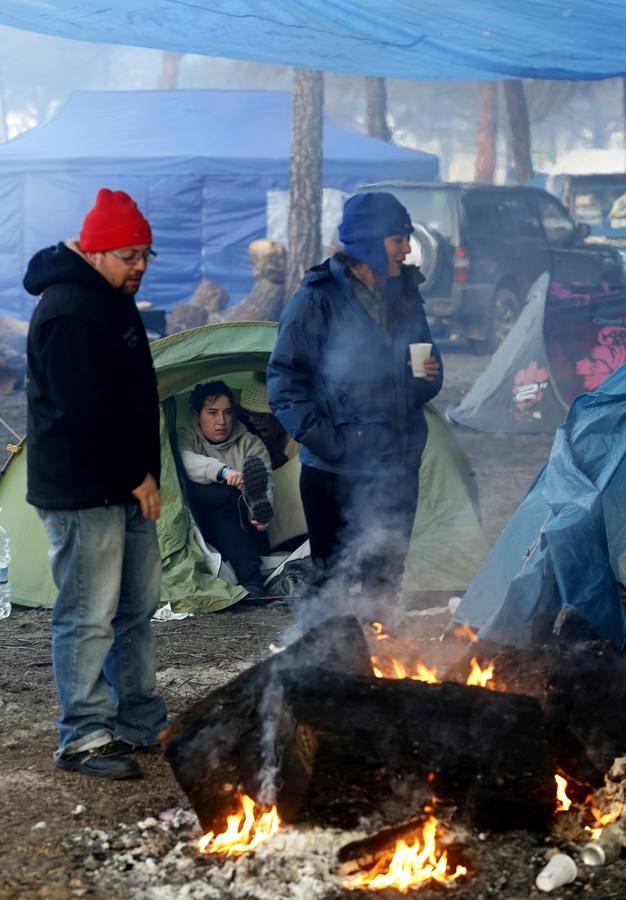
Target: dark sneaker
103,762
128,747
254,491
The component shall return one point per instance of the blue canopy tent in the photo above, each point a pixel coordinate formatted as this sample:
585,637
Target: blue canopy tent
200,164
423,39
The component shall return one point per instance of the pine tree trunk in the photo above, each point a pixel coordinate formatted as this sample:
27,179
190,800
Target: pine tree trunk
305,175
624,116
4,131
169,69
520,130
376,92
486,135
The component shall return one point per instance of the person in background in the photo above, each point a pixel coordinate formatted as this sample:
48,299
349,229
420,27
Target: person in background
255,405
287,530
93,475
229,483
340,381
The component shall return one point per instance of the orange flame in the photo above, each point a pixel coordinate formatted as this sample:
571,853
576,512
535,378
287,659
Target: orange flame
377,671
410,865
564,801
603,819
426,674
244,830
399,670
480,677
377,628
464,631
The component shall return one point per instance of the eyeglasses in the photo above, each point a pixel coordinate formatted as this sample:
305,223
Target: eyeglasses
131,259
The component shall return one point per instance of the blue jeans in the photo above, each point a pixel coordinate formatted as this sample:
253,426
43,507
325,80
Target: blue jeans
106,565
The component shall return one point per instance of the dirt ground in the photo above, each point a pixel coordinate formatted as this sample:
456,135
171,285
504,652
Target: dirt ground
66,836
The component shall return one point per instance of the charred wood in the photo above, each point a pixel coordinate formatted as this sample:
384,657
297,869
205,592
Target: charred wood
381,742
229,740
582,690
366,852
339,744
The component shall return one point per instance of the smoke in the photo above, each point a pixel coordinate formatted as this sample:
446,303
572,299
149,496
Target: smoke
269,711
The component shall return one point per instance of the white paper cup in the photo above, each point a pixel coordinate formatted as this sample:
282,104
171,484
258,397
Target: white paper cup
561,869
419,352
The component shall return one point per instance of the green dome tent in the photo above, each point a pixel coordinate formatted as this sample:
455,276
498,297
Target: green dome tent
448,543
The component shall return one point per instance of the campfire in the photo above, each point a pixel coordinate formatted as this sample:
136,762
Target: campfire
351,733
406,864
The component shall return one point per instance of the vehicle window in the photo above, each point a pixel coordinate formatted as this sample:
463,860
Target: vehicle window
603,207
481,209
557,225
504,215
434,207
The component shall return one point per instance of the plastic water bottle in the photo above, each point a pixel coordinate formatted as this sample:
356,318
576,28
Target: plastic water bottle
5,590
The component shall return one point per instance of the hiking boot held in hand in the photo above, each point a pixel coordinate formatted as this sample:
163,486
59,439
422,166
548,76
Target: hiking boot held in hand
254,491
102,762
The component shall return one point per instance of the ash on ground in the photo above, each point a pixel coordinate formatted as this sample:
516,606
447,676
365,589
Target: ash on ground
157,859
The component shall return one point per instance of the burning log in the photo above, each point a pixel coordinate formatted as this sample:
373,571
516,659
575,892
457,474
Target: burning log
367,852
582,690
407,863
381,742
239,736
312,730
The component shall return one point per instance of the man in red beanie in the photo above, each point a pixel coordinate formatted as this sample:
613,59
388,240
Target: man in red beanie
93,472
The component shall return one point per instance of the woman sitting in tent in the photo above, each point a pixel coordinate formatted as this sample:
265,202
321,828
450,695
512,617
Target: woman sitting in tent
229,482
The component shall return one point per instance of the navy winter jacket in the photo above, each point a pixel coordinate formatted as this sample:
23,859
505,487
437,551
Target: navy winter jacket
341,384
93,409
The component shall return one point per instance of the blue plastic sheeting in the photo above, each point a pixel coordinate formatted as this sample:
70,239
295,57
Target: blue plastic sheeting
423,39
199,164
566,543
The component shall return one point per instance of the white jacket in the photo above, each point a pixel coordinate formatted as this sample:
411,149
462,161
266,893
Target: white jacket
203,460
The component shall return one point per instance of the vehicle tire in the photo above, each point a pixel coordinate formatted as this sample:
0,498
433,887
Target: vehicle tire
503,315
426,252
504,312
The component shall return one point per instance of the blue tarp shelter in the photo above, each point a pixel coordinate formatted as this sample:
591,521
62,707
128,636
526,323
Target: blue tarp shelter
200,164
423,39
565,545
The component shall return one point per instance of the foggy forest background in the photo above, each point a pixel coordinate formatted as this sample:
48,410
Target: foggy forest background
38,73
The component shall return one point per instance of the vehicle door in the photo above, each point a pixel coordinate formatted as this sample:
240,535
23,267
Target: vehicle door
572,259
528,254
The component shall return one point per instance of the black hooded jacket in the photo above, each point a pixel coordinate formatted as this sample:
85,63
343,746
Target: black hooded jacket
93,414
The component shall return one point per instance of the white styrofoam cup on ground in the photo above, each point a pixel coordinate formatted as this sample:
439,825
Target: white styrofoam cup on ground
561,869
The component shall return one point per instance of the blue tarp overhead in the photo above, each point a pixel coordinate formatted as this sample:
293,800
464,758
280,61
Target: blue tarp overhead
200,165
565,545
405,39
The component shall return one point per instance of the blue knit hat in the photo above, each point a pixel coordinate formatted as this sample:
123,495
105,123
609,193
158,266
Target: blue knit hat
367,220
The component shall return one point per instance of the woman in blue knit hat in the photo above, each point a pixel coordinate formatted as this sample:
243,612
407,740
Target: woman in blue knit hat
341,383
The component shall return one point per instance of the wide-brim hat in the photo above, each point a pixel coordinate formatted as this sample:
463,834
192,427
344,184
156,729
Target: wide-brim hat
254,397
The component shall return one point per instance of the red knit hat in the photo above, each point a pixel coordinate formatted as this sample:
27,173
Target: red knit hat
114,222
